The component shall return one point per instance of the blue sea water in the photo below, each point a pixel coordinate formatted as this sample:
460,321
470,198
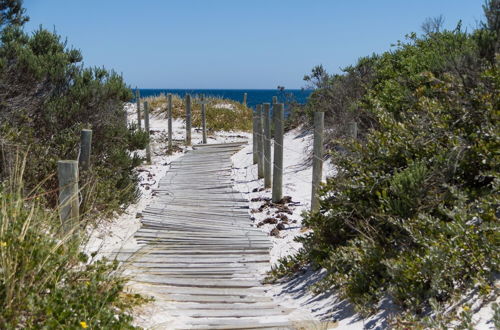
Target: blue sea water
254,96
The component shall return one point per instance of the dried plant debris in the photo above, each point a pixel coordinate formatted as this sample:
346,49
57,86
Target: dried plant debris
266,221
275,232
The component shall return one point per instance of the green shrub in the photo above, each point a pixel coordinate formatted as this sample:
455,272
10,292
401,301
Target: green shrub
413,211
48,97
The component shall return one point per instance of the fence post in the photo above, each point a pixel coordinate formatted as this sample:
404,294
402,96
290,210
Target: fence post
317,169
204,119
169,114
188,119
275,100
146,128
277,193
260,143
85,148
245,99
138,100
267,146
254,129
353,129
67,174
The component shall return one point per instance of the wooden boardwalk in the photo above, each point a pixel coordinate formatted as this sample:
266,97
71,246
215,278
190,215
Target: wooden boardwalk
200,254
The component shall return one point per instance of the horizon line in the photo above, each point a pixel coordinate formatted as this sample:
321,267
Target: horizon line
230,89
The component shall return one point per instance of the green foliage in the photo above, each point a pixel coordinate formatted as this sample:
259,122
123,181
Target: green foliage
48,97
12,13
137,139
45,282
413,212
496,315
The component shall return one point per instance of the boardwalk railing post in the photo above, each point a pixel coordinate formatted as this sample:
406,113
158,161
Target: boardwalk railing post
260,143
245,99
146,128
85,148
267,146
169,112
204,119
67,173
254,140
317,170
138,100
277,193
188,119
353,130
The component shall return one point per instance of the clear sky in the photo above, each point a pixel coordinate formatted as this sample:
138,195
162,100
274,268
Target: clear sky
236,43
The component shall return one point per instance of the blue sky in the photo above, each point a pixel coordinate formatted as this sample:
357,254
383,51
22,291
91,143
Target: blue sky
236,43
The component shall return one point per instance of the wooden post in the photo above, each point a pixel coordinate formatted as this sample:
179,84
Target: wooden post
260,143
203,119
146,127
277,193
275,100
245,99
67,173
353,129
188,119
254,140
169,113
317,170
138,100
267,146
85,148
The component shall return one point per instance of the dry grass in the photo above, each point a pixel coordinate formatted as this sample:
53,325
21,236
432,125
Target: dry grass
45,280
237,118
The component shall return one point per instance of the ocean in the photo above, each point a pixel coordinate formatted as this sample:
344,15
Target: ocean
254,96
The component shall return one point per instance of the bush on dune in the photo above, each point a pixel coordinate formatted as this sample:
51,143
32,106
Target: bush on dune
47,97
413,213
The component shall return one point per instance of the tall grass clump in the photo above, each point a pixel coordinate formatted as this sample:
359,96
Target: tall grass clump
222,114
413,213
45,281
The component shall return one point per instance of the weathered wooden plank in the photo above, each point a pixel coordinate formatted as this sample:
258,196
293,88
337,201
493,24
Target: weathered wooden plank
165,280
200,253
217,299
241,323
227,313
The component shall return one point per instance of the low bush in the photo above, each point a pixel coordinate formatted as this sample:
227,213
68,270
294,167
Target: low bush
413,212
48,97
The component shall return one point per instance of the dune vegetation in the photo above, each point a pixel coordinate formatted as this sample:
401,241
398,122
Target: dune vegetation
413,214
47,98
222,114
